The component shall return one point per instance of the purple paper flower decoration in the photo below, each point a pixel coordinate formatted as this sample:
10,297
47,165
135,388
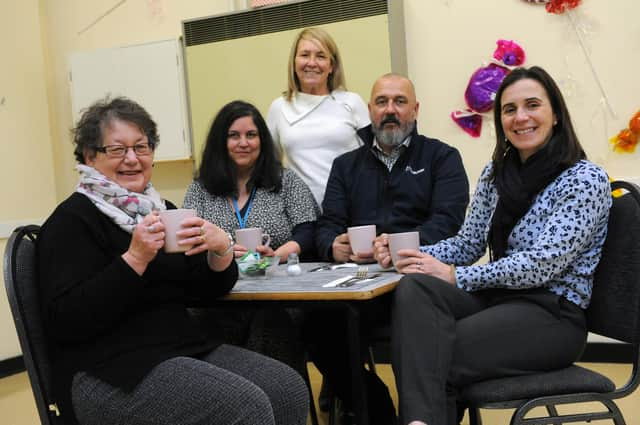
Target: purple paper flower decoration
482,87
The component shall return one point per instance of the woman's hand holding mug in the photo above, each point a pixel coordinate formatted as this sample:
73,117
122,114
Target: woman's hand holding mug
146,239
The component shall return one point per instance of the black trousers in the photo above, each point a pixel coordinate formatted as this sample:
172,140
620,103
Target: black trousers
444,338
325,334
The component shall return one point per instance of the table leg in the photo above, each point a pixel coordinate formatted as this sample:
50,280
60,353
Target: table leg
359,389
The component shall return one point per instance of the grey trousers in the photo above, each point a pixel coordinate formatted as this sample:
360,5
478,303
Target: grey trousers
229,385
444,338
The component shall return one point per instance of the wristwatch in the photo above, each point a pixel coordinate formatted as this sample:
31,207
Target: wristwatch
229,248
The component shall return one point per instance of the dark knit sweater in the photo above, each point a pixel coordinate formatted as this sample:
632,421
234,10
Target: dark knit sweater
103,318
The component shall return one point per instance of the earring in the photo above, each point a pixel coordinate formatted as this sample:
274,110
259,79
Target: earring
508,148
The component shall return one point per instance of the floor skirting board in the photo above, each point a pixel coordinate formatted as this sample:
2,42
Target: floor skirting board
11,366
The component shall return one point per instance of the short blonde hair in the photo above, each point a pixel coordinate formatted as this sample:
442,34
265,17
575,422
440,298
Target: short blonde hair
336,78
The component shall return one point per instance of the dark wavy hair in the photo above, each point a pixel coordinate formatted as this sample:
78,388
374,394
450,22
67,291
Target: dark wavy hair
88,132
567,146
218,173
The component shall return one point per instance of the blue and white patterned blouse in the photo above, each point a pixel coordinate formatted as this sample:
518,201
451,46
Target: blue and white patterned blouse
557,244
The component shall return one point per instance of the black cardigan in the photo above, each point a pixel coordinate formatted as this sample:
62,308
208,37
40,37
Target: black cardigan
103,318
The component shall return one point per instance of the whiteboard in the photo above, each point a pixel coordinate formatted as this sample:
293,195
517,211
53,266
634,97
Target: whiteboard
151,74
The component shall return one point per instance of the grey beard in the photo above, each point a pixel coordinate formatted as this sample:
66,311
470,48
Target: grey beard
393,138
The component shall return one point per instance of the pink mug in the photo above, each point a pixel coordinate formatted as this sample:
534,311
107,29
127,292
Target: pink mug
405,240
172,220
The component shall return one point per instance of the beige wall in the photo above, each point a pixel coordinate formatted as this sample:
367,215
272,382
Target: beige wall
26,166
37,165
449,39
446,41
359,40
69,30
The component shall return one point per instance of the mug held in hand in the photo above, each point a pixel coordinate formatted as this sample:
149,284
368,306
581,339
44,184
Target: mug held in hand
361,239
405,240
251,237
172,220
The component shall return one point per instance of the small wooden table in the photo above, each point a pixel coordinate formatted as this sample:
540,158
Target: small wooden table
308,291
277,285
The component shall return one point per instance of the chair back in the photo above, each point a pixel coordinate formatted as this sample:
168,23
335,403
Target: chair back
615,304
20,279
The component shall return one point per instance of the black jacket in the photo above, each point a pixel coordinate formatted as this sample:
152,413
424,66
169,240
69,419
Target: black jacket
426,190
100,316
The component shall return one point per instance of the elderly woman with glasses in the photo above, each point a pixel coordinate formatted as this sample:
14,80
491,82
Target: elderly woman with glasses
124,348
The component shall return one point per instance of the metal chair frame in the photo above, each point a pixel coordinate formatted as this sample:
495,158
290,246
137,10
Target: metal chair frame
523,406
20,283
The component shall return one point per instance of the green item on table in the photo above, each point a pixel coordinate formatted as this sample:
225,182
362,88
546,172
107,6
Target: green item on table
252,264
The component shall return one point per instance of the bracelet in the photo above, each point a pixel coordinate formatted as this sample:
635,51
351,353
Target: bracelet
452,270
226,251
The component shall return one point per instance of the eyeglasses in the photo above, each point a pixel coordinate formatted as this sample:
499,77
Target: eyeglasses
119,151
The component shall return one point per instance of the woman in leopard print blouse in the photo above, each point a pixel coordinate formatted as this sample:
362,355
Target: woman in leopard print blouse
542,209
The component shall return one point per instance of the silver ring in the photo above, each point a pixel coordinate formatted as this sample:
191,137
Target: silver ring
151,228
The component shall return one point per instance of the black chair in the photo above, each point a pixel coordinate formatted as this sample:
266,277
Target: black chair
22,291
614,312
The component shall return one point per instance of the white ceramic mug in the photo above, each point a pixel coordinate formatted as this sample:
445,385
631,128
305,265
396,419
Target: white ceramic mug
172,220
251,237
361,239
404,240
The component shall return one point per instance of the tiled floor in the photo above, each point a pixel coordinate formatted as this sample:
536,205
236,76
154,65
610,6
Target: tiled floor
17,406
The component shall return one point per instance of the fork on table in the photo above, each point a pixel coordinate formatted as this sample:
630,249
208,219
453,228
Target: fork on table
361,274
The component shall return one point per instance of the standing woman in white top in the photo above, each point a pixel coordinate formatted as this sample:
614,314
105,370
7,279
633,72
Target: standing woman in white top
316,119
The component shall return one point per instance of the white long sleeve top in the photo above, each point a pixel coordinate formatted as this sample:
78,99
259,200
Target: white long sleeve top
311,131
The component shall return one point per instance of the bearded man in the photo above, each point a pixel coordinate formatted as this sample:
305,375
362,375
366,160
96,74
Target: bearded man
398,179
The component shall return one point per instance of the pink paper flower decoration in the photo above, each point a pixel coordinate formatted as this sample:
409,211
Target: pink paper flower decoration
509,53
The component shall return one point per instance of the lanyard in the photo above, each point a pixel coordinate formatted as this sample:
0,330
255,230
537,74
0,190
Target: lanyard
243,220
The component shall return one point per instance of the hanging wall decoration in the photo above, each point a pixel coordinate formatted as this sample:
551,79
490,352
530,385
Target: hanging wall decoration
557,6
627,140
483,85
566,7
560,6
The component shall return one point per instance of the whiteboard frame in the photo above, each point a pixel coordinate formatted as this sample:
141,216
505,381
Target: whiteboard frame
151,74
